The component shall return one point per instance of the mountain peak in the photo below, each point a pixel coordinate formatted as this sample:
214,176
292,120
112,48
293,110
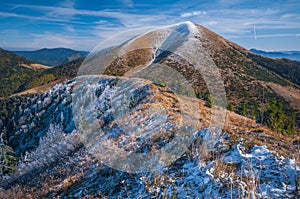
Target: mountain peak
244,73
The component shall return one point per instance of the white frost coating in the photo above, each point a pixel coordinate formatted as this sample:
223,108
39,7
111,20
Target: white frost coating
193,29
155,38
180,40
261,164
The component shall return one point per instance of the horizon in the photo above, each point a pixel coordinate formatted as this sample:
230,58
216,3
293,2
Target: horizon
35,49
75,24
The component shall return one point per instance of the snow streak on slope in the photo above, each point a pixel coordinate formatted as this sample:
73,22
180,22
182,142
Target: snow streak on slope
175,40
182,41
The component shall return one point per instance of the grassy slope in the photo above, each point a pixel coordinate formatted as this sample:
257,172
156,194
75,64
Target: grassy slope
286,68
12,73
15,77
61,72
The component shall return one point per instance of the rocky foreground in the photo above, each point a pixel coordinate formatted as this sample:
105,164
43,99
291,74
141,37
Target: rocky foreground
55,162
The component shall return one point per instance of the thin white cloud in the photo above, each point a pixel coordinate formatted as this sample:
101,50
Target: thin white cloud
211,23
264,36
59,13
70,29
240,22
289,16
128,3
68,4
50,40
38,18
192,14
66,11
8,14
101,22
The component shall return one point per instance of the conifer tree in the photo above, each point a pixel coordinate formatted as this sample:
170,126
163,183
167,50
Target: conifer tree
7,160
208,100
275,116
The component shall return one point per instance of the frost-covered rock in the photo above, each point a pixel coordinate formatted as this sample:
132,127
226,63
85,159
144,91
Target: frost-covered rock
30,117
43,130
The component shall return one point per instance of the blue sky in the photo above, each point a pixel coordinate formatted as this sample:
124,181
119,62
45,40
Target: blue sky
82,24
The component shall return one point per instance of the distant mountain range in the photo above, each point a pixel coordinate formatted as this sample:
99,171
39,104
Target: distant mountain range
293,55
52,56
18,73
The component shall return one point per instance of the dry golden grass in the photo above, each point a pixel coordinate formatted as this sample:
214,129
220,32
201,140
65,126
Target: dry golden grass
35,66
290,94
40,89
253,133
